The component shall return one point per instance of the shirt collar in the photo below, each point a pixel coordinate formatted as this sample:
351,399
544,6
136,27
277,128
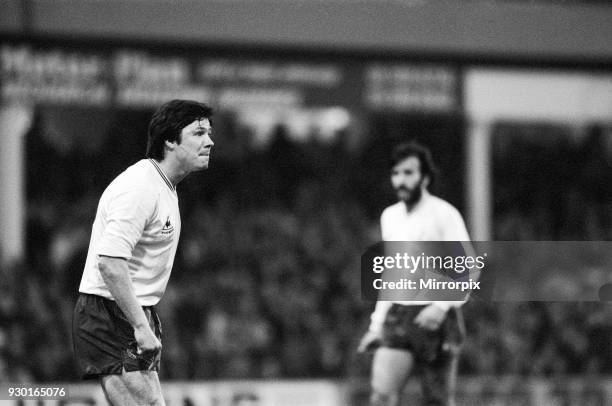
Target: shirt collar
162,174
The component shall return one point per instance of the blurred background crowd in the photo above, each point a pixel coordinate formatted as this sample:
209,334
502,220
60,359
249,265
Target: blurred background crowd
513,97
266,281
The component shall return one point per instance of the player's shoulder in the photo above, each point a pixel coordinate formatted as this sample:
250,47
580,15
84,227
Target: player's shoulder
393,210
135,178
443,207
139,169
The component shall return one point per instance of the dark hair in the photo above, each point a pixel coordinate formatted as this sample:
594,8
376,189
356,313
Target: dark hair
412,148
168,121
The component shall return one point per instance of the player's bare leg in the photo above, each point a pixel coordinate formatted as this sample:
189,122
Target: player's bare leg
390,370
133,388
452,379
439,380
115,391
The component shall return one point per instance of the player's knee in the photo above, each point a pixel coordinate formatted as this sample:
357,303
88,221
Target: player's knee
156,402
141,390
378,398
148,399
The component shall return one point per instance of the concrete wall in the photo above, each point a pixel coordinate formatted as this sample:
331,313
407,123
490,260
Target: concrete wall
457,27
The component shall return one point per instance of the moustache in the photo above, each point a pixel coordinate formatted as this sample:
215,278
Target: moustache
403,188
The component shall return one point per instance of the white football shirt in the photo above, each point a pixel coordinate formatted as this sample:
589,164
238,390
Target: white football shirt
431,219
137,219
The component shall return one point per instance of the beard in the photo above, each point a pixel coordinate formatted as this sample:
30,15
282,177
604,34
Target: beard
410,196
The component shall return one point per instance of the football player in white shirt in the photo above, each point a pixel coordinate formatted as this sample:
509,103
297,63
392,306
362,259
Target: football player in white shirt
424,334
116,331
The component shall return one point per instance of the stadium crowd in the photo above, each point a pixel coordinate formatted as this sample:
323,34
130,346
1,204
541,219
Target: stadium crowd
266,282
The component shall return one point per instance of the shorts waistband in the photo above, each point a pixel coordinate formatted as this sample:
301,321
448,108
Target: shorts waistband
105,299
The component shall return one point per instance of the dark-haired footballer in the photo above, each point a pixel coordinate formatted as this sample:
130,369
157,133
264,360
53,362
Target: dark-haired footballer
415,335
116,331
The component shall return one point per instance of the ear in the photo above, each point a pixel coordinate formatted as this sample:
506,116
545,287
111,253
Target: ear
171,145
425,183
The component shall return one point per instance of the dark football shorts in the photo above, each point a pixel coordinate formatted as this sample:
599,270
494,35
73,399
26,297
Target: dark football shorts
103,339
435,352
400,332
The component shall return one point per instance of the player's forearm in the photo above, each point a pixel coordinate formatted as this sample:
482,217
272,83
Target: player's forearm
115,274
378,316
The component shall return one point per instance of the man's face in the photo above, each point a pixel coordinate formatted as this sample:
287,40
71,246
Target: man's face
193,151
407,180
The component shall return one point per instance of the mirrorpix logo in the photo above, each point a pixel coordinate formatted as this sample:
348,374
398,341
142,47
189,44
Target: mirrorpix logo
168,228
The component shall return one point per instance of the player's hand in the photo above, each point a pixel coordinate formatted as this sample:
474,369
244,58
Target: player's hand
370,341
146,341
431,317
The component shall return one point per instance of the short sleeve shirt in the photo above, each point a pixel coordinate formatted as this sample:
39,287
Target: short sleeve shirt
137,219
432,219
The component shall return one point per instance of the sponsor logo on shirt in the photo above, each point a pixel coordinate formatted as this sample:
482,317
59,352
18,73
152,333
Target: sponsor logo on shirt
168,228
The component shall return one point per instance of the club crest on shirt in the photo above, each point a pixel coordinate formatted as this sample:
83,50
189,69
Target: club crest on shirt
168,228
